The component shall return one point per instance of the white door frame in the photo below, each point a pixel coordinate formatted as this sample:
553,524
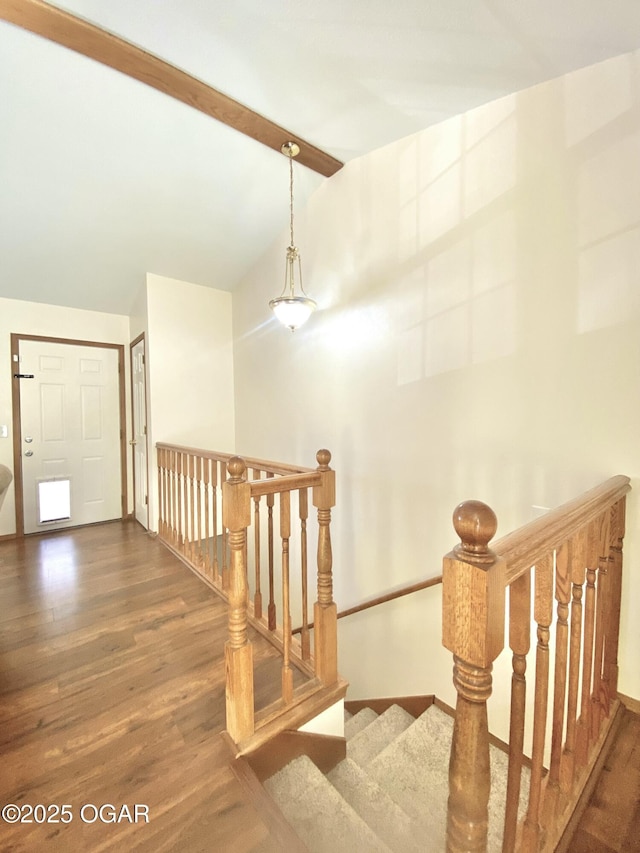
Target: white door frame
17,425
139,340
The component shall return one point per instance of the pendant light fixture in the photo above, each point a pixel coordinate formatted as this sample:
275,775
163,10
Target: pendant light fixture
292,310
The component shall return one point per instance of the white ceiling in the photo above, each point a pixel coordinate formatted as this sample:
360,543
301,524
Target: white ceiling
103,179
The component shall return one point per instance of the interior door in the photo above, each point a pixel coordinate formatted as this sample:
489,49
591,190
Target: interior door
70,434
139,431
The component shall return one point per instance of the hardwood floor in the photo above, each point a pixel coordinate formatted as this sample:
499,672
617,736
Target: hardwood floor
112,692
611,822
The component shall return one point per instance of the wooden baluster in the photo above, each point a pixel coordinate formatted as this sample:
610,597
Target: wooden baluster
612,635
325,611
236,517
473,630
225,537
584,721
174,487
173,509
577,565
519,641
198,480
285,535
257,595
179,502
563,594
603,596
182,538
271,608
543,615
166,495
206,478
303,511
214,500
192,509
160,455
185,504
179,505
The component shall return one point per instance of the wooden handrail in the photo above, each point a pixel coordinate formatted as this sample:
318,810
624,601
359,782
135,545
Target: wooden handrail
564,572
390,596
521,548
282,468
286,483
382,599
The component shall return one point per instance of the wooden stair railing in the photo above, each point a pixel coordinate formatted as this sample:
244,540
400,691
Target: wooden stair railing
569,560
206,505
385,598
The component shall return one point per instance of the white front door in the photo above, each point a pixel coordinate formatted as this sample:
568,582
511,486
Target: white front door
139,440
70,434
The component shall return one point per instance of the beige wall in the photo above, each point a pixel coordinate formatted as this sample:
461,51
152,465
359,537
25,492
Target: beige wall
31,318
477,336
189,367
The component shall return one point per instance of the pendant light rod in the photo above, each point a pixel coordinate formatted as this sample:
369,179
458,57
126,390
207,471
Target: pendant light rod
292,310
291,149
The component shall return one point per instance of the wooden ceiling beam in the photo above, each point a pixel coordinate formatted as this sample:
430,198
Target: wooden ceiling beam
83,37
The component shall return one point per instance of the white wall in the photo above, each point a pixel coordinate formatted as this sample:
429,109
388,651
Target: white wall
189,369
477,333
33,318
138,319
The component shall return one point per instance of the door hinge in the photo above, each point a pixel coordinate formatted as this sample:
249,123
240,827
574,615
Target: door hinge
146,500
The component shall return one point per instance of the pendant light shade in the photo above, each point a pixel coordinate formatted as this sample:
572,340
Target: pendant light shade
290,308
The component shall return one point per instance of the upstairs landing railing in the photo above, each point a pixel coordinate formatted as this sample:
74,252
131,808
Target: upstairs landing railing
207,503
568,561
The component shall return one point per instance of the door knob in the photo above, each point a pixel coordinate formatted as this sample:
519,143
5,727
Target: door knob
29,453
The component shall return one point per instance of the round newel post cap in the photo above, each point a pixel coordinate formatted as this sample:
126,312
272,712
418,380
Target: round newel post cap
236,467
476,525
323,458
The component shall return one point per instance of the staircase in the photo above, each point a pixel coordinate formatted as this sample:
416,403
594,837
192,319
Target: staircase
389,793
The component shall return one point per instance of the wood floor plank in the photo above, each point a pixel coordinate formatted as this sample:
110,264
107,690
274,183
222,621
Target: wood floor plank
611,821
112,691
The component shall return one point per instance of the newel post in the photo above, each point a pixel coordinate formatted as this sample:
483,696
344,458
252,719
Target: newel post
473,607
236,517
325,611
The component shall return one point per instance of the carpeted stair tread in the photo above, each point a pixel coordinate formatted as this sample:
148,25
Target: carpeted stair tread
358,722
317,811
293,780
498,796
414,770
376,808
365,746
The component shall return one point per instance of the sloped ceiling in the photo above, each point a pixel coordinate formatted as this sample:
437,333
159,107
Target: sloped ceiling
103,178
